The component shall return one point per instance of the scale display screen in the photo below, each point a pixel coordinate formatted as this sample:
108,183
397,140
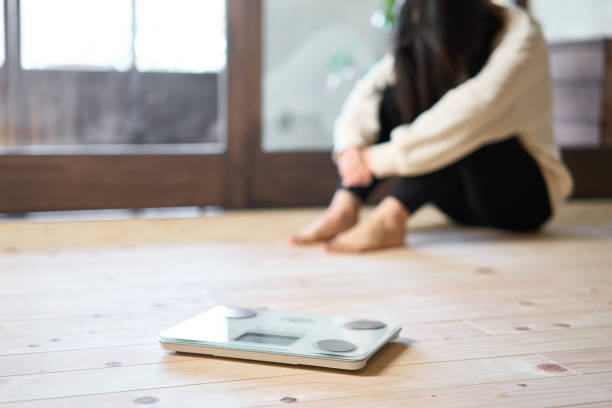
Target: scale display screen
262,338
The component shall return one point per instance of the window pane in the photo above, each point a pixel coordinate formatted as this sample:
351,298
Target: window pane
2,33
180,35
314,52
72,99
76,34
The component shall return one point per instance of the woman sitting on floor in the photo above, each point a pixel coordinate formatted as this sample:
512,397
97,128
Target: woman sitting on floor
462,112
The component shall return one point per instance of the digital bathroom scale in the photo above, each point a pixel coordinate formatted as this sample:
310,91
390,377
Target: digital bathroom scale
281,337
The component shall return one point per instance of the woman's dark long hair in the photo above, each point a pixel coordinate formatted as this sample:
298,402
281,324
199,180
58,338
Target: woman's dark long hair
438,45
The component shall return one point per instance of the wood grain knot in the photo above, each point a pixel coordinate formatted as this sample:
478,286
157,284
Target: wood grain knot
562,325
522,328
484,271
522,385
113,364
146,400
552,368
288,400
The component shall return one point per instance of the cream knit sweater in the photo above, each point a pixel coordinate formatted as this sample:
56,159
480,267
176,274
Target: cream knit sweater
511,95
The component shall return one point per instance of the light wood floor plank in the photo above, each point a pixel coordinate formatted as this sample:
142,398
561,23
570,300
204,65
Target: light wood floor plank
375,378
406,350
81,304
544,322
533,393
584,361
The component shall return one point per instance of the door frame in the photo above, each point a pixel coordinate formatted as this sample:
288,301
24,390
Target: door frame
258,178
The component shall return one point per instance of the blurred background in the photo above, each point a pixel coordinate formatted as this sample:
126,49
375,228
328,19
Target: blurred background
231,103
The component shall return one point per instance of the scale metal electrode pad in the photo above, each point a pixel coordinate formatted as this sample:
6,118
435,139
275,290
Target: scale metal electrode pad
282,337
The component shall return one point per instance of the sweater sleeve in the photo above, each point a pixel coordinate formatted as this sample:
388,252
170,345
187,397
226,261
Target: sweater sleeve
358,123
484,109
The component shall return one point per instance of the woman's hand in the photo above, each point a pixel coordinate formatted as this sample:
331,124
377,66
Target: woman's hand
353,167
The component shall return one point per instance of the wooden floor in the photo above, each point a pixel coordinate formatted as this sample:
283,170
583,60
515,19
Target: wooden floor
489,319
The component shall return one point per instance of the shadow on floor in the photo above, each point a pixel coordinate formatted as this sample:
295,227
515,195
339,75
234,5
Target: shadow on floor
450,234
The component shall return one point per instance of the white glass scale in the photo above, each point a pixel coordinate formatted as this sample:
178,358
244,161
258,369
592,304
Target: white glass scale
282,337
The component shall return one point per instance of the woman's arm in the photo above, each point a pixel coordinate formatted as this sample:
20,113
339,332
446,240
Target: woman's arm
358,123
511,88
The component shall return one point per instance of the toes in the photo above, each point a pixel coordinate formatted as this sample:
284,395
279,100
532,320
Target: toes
294,240
330,247
339,247
310,238
352,245
301,240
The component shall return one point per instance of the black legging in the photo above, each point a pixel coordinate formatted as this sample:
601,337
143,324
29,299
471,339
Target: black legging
499,185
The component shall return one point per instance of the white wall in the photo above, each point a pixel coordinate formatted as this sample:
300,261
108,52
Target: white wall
574,19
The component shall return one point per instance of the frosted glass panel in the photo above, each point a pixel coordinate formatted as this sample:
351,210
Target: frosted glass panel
314,52
76,34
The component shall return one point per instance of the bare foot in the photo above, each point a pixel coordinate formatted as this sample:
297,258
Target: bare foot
384,228
341,215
